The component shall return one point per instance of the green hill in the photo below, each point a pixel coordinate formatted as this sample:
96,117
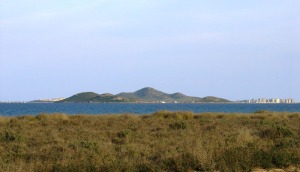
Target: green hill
106,98
90,97
177,95
149,94
144,95
80,97
214,99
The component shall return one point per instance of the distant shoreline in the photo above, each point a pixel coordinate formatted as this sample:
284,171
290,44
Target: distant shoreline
143,103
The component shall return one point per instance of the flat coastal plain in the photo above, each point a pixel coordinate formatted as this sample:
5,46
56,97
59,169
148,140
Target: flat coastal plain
163,141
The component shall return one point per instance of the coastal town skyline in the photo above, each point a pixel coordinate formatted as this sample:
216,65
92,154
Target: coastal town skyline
270,100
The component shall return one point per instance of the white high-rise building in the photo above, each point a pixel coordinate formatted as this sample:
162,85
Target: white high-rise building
264,100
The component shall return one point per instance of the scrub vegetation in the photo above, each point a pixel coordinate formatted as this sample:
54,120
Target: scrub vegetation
163,141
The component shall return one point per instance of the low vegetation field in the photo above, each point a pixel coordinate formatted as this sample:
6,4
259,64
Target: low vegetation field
163,141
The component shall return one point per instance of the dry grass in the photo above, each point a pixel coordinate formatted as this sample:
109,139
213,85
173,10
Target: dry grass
163,141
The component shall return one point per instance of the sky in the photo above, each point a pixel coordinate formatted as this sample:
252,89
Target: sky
231,49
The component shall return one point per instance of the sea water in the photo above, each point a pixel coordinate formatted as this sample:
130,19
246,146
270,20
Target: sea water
16,109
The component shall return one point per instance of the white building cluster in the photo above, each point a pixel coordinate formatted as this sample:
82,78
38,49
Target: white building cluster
264,100
51,100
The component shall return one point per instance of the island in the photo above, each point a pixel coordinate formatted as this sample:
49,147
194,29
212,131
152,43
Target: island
144,95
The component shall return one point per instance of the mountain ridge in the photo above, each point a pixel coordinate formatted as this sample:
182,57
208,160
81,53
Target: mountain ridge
144,95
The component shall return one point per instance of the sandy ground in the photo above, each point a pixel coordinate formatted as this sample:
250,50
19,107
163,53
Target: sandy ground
289,169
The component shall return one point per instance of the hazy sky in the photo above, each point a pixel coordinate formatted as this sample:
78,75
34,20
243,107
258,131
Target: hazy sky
232,49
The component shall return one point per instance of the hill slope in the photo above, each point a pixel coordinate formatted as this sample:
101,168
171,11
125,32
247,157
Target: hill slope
88,97
149,94
80,97
145,94
214,99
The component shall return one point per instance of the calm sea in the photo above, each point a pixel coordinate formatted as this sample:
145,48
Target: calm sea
15,109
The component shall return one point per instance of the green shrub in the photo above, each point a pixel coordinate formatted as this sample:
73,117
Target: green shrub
9,136
178,125
184,162
272,131
275,158
263,159
236,159
123,134
282,131
87,144
122,137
